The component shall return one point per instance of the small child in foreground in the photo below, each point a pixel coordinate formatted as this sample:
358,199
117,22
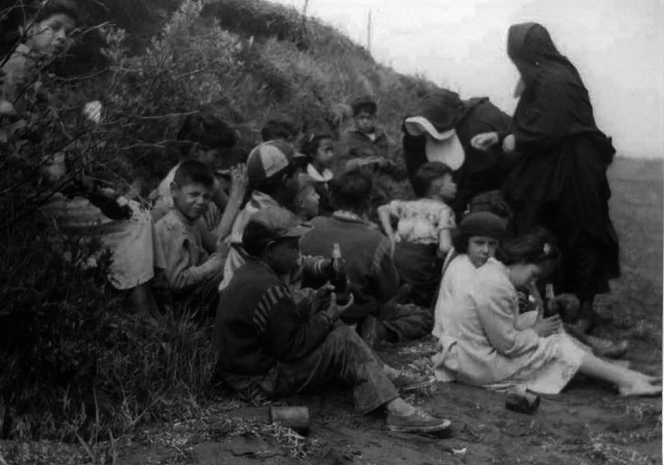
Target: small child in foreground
422,237
189,267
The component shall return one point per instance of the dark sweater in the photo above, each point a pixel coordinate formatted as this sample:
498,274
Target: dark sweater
258,323
367,252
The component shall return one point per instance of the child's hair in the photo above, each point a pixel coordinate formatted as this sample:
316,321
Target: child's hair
13,19
304,184
312,142
194,171
535,247
427,174
352,190
364,103
491,202
278,128
54,7
206,130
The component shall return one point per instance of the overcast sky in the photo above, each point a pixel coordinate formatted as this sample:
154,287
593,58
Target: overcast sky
617,45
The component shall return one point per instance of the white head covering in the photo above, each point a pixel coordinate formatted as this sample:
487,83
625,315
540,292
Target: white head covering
444,147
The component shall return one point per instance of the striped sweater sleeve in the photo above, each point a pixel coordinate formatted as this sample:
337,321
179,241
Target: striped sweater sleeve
288,330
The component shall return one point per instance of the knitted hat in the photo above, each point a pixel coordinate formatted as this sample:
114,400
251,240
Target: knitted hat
483,224
270,158
271,224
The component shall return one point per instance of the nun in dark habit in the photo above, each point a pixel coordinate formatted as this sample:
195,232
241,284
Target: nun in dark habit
442,129
559,181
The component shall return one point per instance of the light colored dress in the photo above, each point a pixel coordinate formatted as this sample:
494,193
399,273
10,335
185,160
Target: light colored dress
476,324
135,247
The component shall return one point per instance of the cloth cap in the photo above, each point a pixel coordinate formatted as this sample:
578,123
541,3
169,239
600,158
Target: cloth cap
269,158
271,224
483,224
365,101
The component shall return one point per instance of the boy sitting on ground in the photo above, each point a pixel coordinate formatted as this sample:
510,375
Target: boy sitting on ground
268,346
422,237
272,169
374,280
189,268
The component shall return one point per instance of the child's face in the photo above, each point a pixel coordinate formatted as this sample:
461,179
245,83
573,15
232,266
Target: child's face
308,201
283,256
524,274
50,35
191,199
480,249
443,188
365,122
324,154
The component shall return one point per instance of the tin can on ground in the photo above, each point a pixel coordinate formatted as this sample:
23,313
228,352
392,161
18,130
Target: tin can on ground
295,418
522,401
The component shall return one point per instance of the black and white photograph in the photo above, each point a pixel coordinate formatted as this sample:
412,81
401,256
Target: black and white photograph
369,232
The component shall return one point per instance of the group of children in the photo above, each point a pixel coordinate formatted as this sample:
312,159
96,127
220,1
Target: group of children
253,244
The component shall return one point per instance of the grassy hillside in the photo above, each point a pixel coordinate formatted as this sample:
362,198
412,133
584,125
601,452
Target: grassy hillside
82,368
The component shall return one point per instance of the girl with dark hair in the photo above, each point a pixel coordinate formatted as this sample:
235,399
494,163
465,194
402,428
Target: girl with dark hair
480,342
560,179
319,148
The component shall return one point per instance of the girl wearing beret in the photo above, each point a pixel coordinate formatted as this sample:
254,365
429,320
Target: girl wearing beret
480,340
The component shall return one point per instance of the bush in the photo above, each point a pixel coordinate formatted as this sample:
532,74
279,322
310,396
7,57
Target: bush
75,363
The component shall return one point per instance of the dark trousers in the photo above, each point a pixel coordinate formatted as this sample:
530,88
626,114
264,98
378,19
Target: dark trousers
408,322
343,356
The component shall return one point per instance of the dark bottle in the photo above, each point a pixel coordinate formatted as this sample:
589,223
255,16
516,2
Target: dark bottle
338,276
549,305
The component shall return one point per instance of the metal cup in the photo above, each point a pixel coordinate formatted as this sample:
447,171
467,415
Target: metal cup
522,402
295,418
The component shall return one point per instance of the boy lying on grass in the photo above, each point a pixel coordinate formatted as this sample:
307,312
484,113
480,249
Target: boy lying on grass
268,346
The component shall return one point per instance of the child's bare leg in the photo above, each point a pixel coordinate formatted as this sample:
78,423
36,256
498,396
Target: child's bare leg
629,382
143,301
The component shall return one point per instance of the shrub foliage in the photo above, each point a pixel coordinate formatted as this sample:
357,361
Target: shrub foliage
74,362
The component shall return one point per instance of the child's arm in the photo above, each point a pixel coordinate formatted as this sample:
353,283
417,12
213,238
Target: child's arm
385,214
290,332
447,224
238,190
445,242
179,272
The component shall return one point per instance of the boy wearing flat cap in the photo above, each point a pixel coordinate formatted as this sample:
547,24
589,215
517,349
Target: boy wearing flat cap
268,346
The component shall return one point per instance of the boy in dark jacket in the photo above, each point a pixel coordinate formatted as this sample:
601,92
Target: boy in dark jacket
270,346
368,253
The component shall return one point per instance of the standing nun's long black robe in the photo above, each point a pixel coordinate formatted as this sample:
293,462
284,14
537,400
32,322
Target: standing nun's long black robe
560,181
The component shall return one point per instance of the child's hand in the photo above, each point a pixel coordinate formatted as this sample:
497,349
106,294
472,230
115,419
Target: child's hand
509,144
322,298
545,327
334,310
239,181
484,141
